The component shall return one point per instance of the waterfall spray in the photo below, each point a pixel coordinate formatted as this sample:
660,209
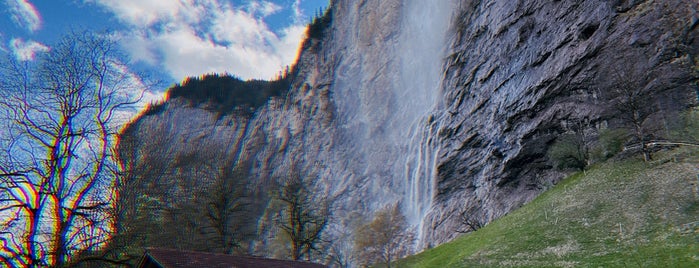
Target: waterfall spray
386,93
422,47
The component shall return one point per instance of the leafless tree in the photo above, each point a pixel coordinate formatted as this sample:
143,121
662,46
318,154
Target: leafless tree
229,219
144,164
469,222
59,122
636,107
386,238
191,195
302,218
339,243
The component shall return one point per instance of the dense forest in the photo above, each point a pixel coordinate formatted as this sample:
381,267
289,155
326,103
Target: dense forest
225,93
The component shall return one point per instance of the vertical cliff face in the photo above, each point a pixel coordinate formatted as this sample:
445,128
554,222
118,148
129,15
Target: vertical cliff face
520,70
359,113
449,107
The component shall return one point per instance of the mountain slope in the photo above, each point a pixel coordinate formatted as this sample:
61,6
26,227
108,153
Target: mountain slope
617,214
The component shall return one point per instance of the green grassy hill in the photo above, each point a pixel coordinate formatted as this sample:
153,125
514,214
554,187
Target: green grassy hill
618,214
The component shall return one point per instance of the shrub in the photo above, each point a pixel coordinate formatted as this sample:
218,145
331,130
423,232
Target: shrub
569,151
609,143
686,126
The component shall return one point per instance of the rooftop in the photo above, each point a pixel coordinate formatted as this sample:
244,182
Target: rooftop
173,258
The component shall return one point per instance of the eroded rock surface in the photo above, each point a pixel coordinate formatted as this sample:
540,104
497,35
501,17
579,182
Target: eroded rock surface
521,69
510,74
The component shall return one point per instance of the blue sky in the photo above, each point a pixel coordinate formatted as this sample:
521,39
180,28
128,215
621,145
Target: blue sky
170,39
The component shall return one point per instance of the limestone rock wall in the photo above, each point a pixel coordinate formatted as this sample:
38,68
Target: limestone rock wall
510,74
519,70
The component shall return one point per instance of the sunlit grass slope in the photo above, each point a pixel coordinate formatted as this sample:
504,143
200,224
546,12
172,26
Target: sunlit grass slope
624,213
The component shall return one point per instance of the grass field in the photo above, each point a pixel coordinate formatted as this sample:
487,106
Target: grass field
623,213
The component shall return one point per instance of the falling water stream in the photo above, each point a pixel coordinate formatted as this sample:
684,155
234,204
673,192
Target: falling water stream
422,50
386,118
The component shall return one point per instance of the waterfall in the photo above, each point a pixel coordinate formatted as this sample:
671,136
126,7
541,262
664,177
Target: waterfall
386,93
422,50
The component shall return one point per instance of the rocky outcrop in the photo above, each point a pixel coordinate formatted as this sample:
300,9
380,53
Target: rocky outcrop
465,128
519,70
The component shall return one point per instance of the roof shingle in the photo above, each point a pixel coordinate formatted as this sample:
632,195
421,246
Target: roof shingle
172,258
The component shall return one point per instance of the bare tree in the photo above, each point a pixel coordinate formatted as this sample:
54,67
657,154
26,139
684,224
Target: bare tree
191,195
636,107
59,122
303,219
339,243
229,219
385,238
340,252
144,168
469,222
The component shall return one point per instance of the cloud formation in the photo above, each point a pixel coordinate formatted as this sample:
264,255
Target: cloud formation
24,14
263,8
190,38
131,86
26,50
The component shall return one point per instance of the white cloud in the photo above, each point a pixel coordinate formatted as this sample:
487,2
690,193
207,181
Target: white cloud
263,8
298,14
24,14
289,45
131,87
141,12
190,38
25,51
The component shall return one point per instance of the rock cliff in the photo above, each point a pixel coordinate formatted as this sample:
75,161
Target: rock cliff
519,70
449,107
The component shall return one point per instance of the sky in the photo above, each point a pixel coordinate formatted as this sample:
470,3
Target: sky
169,39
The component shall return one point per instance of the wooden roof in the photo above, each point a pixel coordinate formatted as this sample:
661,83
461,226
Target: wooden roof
172,258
